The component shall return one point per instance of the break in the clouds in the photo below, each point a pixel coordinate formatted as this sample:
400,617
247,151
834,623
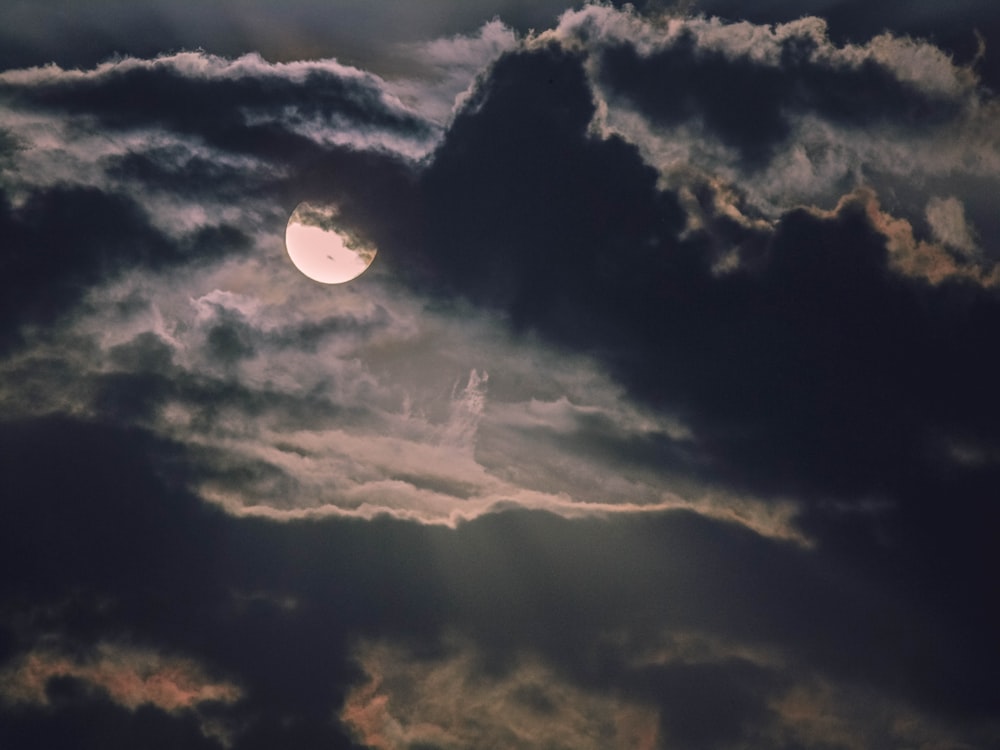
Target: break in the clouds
663,417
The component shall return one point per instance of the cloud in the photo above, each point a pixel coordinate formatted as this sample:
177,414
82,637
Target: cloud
696,341
642,425
951,258
286,422
453,702
946,217
744,84
130,677
448,69
659,277
961,30
368,34
195,93
46,681
698,619
691,692
784,111
62,240
816,713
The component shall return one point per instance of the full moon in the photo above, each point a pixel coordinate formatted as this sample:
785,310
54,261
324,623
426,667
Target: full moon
319,250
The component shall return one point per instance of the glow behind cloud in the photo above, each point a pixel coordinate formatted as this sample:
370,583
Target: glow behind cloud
320,252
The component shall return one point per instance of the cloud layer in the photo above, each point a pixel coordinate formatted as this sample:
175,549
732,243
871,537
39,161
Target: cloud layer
664,416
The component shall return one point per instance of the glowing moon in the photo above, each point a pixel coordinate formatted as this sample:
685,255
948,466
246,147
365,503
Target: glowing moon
319,250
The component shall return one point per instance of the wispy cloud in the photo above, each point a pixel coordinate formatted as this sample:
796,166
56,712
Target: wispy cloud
129,676
456,702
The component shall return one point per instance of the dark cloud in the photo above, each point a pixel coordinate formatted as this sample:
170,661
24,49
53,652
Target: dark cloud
818,369
954,28
112,546
748,105
232,105
103,484
818,372
711,705
84,721
61,240
9,145
586,219
173,170
758,354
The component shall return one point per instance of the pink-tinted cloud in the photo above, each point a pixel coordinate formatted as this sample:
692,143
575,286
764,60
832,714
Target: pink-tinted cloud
131,677
452,703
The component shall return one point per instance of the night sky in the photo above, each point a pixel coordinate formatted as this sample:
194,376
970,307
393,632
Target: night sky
667,416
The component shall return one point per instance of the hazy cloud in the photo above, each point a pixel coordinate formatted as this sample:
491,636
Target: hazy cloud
946,217
130,677
453,702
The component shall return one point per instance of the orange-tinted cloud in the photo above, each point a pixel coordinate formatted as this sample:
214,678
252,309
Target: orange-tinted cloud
452,703
131,677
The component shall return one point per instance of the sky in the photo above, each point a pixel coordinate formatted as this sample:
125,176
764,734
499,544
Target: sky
664,418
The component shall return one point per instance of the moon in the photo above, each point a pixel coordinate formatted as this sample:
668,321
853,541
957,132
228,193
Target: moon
321,252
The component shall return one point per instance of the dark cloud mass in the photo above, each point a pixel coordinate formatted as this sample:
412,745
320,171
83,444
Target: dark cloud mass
748,105
957,28
61,240
664,417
